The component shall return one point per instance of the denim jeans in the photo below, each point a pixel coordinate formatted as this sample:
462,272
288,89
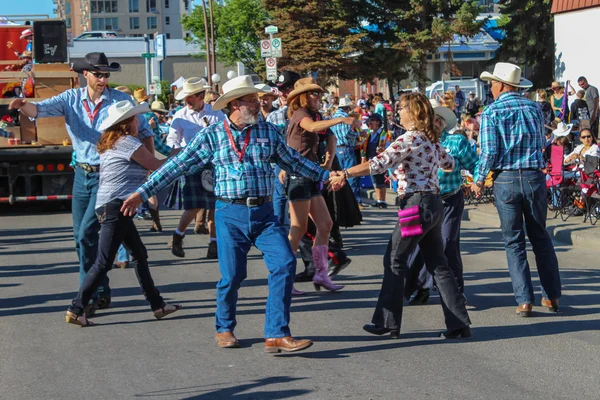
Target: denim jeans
521,201
85,224
388,312
347,159
122,254
238,228
453,209
280,200
116,229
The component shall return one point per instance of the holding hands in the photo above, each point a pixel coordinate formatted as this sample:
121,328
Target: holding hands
131,204
337,180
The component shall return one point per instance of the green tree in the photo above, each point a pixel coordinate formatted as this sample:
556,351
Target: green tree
237,25
529,25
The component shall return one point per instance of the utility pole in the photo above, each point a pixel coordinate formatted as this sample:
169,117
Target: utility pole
207,42
212,40
147,62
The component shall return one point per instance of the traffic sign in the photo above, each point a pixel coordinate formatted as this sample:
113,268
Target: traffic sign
148,55
271,29
265,48
271,69
161,51
276,50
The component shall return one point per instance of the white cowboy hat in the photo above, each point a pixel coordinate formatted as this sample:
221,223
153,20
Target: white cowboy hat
445,113
345,102
506,73
158,106
25,33
122,110
236,88
562,129
191,86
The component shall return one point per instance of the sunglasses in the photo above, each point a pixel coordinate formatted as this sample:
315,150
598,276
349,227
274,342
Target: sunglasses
585,137
100,75
315,94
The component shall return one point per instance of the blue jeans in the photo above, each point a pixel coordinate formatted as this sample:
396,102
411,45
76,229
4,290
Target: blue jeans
86,227
122,254
279,199
347,159
238,228
521,200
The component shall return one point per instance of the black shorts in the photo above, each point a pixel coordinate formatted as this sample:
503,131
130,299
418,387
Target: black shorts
300,188
378,181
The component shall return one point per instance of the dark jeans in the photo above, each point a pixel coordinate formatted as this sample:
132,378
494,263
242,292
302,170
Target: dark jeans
521,201
453,209
116,229
388,312
85,224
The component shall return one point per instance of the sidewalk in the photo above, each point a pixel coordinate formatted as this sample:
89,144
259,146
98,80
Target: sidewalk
571,232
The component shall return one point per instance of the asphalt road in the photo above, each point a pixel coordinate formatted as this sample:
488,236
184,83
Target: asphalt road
132,355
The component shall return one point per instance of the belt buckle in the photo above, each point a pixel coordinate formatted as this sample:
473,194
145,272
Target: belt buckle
86,167
252,201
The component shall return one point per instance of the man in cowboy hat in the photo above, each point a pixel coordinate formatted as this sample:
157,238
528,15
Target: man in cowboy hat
198,197
346,136
512,138
140,95
285,84
465,158
266,101
84,110
242,148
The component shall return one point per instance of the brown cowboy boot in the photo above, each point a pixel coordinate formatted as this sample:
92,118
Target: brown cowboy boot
156,226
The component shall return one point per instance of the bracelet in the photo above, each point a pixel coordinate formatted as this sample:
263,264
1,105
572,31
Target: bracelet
346,174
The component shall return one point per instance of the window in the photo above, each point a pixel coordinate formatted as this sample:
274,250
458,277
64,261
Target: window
166,3
101,24
101,6
186,4
68,8
167,20
134,22
168,36
134,6
150,5
151,21
68,22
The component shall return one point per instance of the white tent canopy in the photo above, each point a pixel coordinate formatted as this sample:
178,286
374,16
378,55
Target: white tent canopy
178,82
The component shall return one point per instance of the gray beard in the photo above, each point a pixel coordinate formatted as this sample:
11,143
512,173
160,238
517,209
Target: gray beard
249,118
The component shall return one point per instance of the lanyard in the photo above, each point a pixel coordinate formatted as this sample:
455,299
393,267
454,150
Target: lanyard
92,115
239,153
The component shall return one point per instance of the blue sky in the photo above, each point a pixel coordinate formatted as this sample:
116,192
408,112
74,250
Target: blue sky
26,7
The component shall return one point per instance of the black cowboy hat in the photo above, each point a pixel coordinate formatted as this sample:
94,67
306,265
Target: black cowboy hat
287,79
95,62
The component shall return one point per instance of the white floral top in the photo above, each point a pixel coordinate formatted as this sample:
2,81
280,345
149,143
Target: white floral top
415,161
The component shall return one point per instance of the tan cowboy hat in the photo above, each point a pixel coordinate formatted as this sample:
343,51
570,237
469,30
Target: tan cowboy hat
191,86
122,110
506,73
304,85
158,106
556,84
444,112
238,87
124,89
140,95
562,129
26,54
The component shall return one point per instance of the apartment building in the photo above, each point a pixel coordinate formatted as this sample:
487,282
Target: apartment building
127,17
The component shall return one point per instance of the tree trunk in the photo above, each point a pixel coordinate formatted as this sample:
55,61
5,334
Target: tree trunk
207,40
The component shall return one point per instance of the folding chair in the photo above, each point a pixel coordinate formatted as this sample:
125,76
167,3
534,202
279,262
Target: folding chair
563,194
590,183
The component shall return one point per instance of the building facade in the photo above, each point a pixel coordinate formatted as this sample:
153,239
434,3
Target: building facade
129,18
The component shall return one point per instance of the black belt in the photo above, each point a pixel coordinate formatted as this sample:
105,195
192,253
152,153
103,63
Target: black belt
248,201
88,168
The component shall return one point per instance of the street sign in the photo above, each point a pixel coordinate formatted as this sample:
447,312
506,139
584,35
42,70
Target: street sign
271,69
271,29
265,48
148,55
156,83
276,50
161,49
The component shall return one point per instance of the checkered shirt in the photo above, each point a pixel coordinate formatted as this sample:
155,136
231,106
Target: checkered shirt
464,158
344,133
279,119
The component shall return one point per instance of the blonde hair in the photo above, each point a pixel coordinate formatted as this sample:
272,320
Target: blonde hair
112,134
542,95
422,115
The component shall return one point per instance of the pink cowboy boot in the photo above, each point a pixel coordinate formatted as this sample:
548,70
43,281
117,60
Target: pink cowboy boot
321,279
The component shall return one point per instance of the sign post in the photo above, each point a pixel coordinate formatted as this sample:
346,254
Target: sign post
270,50
271,69
161,52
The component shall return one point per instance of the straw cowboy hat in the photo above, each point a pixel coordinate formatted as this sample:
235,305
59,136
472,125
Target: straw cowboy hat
304,85
122,110
238,87
556,84
158,106
26,54
26,33
345,102
191,86
444,112
562,129
140,95
124,89
96,62
506,73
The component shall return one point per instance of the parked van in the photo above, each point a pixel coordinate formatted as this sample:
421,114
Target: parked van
97,35
480,88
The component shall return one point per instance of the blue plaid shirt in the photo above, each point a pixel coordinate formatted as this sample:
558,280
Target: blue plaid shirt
253,177
344,133
464,158
84,133
279,119
511,135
